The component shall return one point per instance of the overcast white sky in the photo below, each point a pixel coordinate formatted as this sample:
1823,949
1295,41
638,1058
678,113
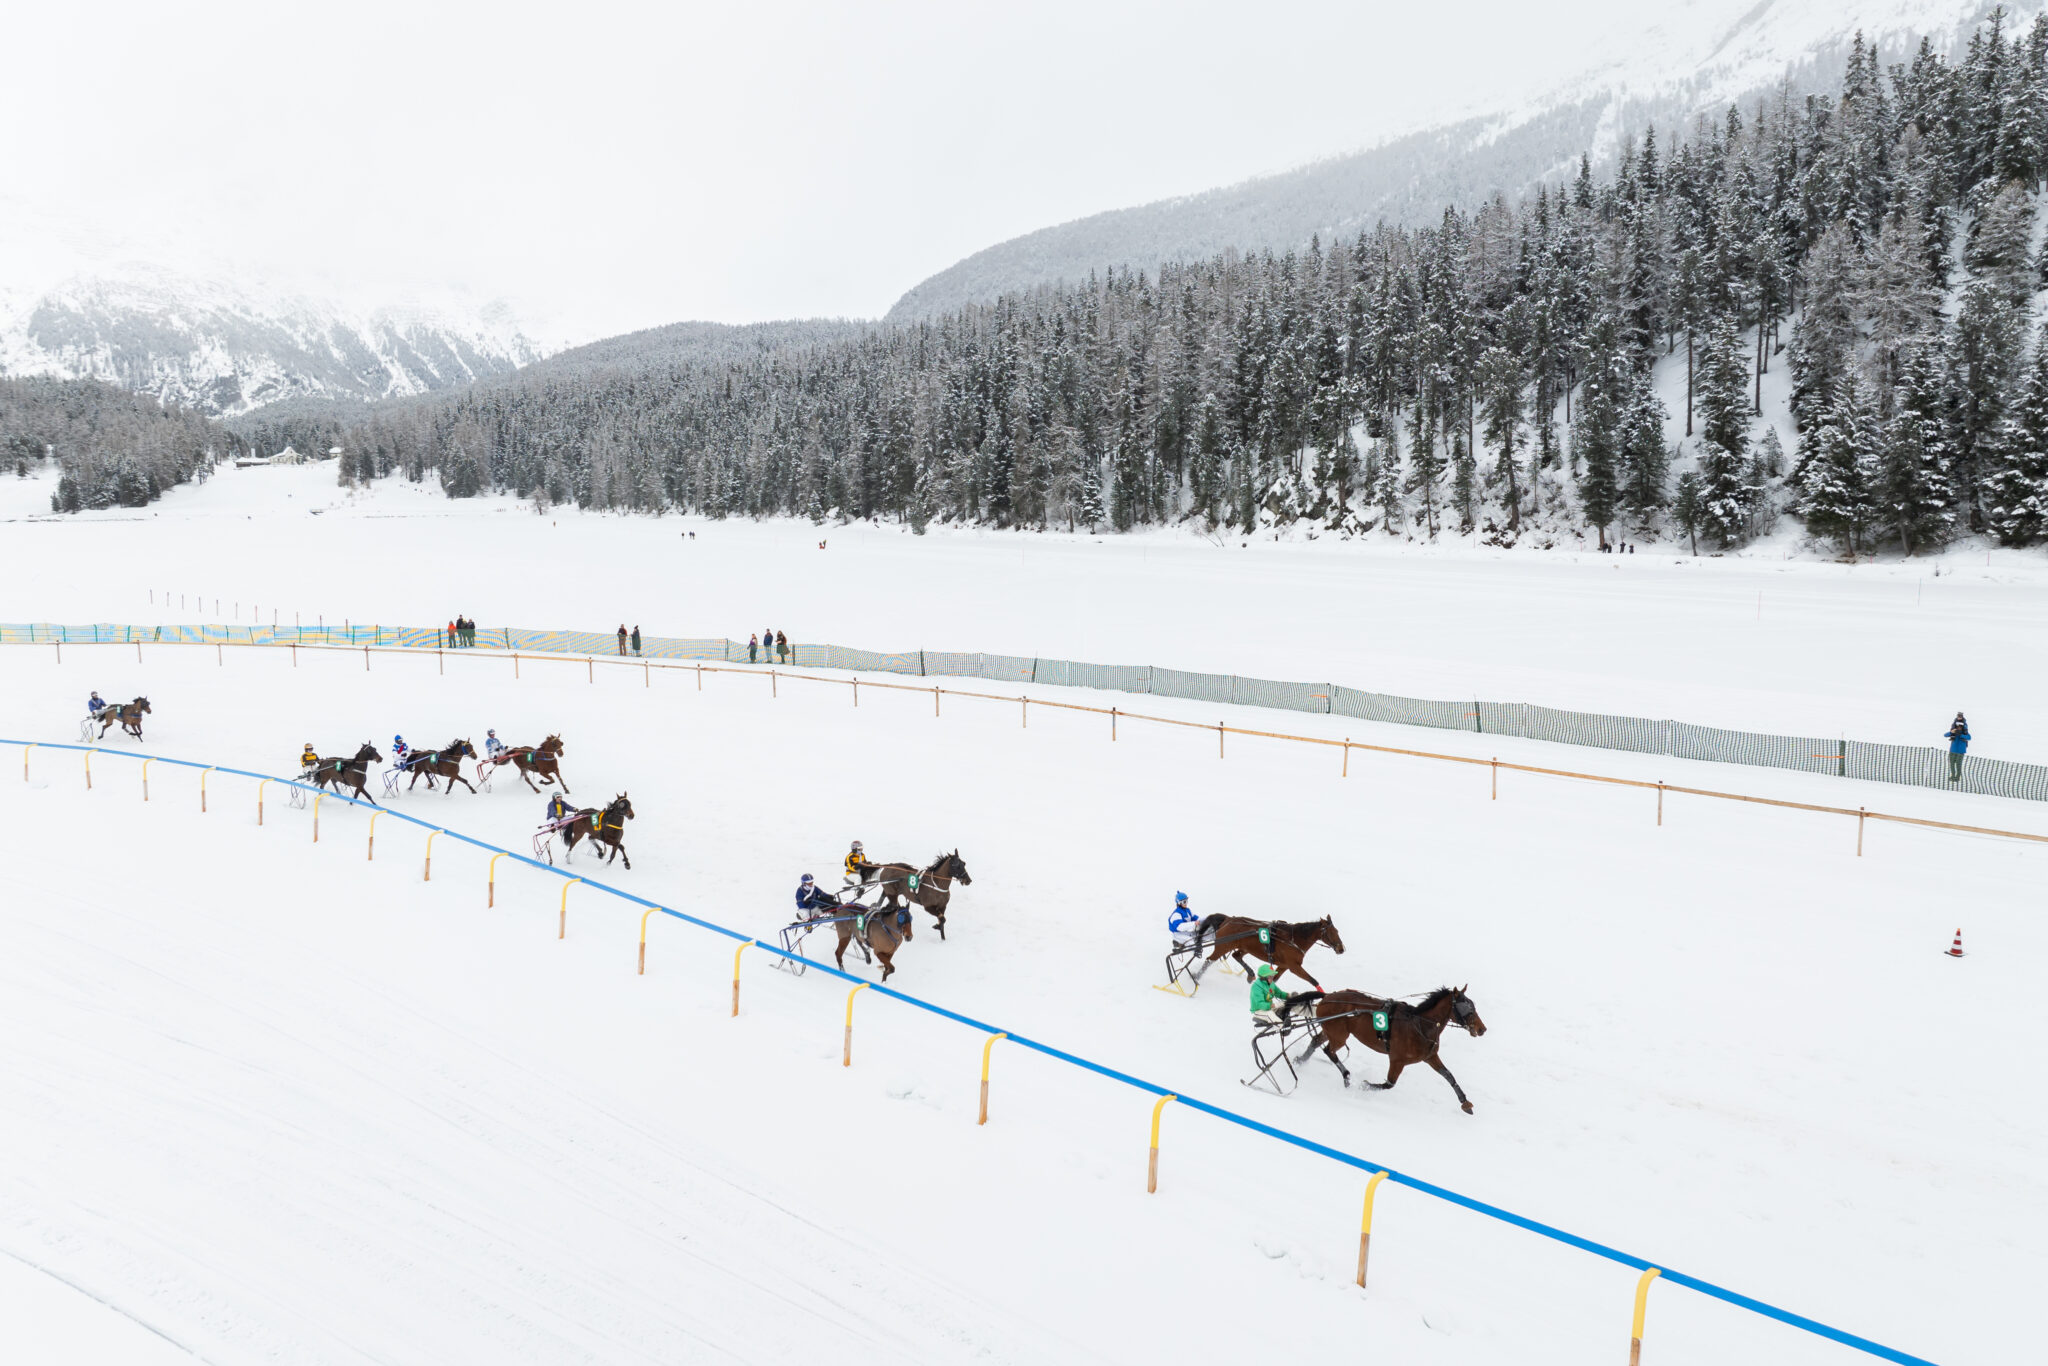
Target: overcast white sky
608,166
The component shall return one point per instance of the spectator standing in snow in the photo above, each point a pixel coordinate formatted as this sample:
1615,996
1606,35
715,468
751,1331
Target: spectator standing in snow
451,633
636,639
753,647
782,647
622,637
1958,738
768,644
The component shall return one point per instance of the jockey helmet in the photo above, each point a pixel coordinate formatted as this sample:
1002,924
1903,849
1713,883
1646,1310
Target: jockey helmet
493,734
1180,898
808,880
1266,972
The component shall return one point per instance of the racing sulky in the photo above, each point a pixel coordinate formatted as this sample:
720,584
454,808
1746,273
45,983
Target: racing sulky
930,887
129,714
1405,1033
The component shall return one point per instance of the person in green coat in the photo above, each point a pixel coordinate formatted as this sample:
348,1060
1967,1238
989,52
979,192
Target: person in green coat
1267,997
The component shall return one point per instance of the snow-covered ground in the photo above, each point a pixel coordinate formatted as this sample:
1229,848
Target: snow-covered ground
271,1101
279,1102
1884,652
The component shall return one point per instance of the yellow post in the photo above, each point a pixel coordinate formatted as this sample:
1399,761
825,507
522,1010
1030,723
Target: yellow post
1635,1332
1365,1225
145,780
202,789
373,835
259,798
1152,1168
984,1075
847,1059
24,761
491,888
643,940
316,816
88,770
736,974
736,977
427,873
563,933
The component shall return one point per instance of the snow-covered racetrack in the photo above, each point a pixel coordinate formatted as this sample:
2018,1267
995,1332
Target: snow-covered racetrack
282,1103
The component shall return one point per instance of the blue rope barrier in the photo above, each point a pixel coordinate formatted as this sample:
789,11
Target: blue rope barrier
1444,1193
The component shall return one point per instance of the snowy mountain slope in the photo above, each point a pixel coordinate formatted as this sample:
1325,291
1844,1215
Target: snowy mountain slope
223,350
287,1103
1700,55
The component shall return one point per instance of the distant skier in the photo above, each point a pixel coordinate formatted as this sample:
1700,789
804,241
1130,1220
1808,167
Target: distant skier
1958,738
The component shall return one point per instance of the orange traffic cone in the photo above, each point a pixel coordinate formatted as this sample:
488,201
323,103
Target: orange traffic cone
1955,950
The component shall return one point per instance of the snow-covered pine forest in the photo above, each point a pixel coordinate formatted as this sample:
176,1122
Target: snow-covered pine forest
115,448
1599,358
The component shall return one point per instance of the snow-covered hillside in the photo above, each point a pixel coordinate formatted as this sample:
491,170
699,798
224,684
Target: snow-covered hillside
1697,57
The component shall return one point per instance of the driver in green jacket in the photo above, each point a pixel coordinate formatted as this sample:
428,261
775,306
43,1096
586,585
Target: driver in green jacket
1267,997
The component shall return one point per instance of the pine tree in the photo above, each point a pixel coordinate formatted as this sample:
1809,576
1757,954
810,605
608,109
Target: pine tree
1917,488
2016,493
1689,506
1838,477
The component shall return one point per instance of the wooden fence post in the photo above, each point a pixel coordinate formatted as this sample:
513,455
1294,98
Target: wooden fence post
1861,814
1347,757
1219,739
1112,723
1496,778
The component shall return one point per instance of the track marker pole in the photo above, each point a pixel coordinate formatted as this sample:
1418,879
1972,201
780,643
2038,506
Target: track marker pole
736,971
1347,757
88,770
846,1059
145,779
24,761
643,939
427,871
259,798
984,1075
1660,801
491,886
1152,1167
316,816
1635,1333
202,789
563,932
372,854
1861,815
1372,1188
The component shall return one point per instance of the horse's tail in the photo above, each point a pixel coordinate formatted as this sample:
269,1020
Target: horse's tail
1206,930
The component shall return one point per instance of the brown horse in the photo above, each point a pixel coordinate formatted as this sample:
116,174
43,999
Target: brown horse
1277,942
930,887
349,773
605,829
544,759
445,763
1413,1031
129,714
884,930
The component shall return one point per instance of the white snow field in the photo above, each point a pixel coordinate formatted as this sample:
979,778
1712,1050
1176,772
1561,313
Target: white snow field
278,1102
1881,652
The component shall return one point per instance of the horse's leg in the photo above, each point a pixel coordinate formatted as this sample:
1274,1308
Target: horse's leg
456,777
845,929
556,777
1438,1063
1299,971
527,774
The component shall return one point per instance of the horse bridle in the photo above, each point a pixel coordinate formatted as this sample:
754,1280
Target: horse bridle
1462,1012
